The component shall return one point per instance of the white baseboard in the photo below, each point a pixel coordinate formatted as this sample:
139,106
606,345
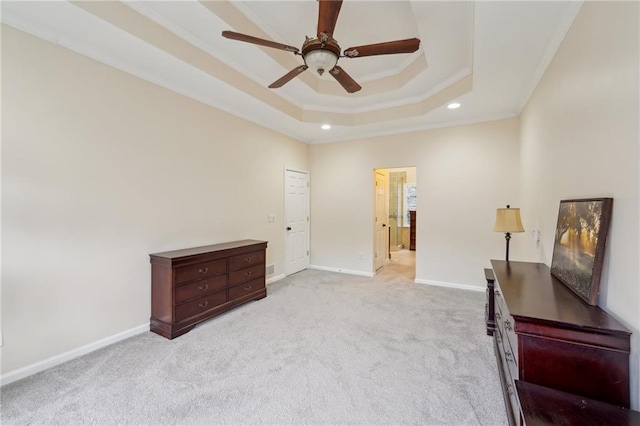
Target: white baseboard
450,285
275,278
342,271
29,370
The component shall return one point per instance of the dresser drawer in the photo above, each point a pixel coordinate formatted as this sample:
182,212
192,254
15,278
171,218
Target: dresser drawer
506,367
201,288
244,260
243,275
246,288
200,270
198,306
499,301
510,357
509,334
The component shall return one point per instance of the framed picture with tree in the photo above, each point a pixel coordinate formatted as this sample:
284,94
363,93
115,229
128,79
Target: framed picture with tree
580,240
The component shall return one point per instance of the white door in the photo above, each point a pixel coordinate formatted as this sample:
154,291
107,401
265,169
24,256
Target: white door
380,222
296,221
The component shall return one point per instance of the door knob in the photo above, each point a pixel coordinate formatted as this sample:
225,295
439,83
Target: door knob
288,228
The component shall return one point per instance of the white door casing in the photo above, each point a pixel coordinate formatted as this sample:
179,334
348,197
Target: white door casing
380,233
296,221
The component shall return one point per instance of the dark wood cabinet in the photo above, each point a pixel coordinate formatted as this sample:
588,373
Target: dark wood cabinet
412,230
550,407
547,336
192,285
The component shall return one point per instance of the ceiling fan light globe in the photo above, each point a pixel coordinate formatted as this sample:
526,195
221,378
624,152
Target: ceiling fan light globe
320,60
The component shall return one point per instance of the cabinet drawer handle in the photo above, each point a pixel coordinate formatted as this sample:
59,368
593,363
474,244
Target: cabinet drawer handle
248,288
496,292
203,287
508,356
248,274
203,304
247,259
497,315
510,389
203,270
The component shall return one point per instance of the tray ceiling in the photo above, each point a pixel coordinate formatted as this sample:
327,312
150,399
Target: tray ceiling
486,55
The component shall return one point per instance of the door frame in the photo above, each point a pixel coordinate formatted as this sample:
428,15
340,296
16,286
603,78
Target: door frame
285,219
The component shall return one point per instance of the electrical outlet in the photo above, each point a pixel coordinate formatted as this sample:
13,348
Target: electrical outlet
271,269
271,218
536,235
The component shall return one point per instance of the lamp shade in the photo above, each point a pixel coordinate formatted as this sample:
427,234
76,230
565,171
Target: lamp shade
508,220
321,60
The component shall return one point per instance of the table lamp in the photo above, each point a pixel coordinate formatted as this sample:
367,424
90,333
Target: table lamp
508,221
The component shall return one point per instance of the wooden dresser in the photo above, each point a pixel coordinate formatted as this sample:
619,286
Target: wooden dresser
412,230
191,285
547,336
489,307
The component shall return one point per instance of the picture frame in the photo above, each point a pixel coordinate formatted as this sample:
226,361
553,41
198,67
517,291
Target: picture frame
579,245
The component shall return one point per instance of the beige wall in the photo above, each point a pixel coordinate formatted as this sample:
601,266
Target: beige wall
99,169
463,174
580,139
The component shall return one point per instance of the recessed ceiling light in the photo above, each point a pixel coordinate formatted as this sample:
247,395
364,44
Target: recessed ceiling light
453,105
325,126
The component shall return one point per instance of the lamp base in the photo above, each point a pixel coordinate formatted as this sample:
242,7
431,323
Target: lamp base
507,236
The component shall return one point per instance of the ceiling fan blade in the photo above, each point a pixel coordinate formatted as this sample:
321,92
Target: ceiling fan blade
328,11
255,40
345,79
288,77
409,45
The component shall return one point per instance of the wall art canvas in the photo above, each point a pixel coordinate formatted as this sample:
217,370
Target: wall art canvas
580,239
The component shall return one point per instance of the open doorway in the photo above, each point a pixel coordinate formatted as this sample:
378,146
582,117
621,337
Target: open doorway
395,220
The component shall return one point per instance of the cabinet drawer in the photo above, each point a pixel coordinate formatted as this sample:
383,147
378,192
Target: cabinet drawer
499,301
190,309
509,335
246,288
505,366
242,275
199,270
244,260
201,288
510,358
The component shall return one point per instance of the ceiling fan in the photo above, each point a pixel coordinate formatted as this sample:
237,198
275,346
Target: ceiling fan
322,53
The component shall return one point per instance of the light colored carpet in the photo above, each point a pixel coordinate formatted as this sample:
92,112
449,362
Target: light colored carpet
322,348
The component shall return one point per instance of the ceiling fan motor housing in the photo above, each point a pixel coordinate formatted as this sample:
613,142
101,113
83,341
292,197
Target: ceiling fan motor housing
312,60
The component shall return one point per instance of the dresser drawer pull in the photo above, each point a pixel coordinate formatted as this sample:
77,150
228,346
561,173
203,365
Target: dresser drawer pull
203,270
203,287
247,288
248,259
203,304
248,273
507,325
